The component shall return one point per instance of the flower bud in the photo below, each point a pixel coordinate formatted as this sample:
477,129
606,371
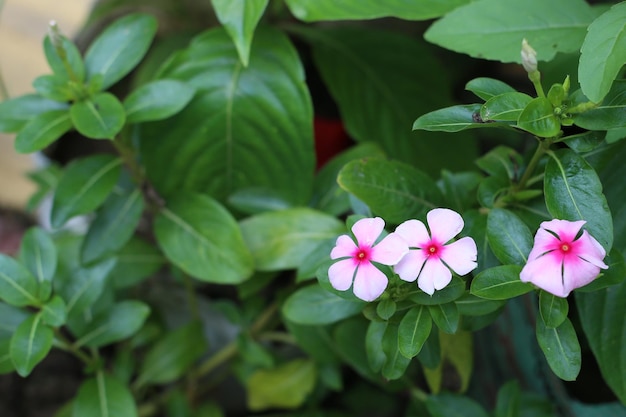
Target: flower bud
529,57
55,34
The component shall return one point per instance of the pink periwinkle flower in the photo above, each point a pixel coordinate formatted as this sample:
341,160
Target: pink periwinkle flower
369,281
563,259
430,259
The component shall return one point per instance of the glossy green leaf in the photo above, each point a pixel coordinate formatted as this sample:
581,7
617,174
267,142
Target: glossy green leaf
284,239
202,238
114,225
552,309
386,308
173,355
17,112
54,312
509,237
499,283
71,56
472,305
12,317
99,117
83,187
539,119
574,192
257,200
30,344
42,130
157,100
314,305
454,405
588,141
603,53
609,114
453,119
615,274
396,363
508,400
449,293
602,317
314,10
286,386
39,255
561,348
445,316
117,323
136,261
247,128
494,29
53,87
393,190
413,331
104,396
376,358
119,48
239,18
18,286
487,88
505,107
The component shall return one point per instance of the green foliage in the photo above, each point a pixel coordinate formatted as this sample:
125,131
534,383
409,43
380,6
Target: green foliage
30,344
104,396
314,305
561,348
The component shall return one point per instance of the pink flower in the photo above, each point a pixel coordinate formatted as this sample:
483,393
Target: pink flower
559,262
369,281
429,259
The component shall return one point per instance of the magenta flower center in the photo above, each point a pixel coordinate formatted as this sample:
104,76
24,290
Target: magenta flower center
433,249
362,254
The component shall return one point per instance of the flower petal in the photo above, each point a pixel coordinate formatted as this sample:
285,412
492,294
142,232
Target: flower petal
566,230
340,274
434,276
544,242
410,266
461,255
578,273
591,250
344,247
444,224
545,272
390,250
367,230
369,282
414,232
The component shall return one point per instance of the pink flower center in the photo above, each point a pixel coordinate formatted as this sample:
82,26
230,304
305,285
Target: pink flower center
433,249
362,254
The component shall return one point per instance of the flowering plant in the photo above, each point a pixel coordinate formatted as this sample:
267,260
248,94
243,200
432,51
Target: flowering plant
216,261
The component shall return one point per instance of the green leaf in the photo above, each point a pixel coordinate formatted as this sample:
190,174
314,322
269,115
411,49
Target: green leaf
30,344
104,396
393,190
471,305
615,274
505,107
54,312
449,293
476,227
574,192
499,283
42,130
12,317
46,179
430,355
316,341
539,119
173,355
445,316
18,286
453,119
396,363
494,29
413,331
508,401
284,239
39,255
602,317
313,10
314,305
607,115
286,386
53,87
454,405
157,100
246,128
121,321
459,189
501,161
70,67
83,187
203,239
119,48
17,112
376,358
6,365
114,225
603,53
99,117
136,261
552,309
239,18
487,88
509,237
561,348
386,308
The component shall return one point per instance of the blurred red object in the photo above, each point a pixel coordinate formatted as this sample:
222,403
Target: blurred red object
330,138
12,228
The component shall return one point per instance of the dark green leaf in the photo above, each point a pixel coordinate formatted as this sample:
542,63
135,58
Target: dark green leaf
552,309
509,237
574,192
99,117
84,186
454,405
39,255
607,115
104,396
449,293
413,331
136,261
491,189
18,286
615,274
157,100
317,257
561,348
445,316
70,66
315,305
316,341
386,308
500,283
393,190
202,238
6,365
257,200
501,161
396,363
119,48
504,107
17,112
253,352
30,344
476,227
487,88
459,189
430,355
508,401
376,358
539,119
587,141
11,318
42,130
54,312
471,305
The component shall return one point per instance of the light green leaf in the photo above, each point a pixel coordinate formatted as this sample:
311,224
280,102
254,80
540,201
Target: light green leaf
449,293
18,286
505,107
471,305
499,283
203,239
30,344
314,305
286,386
39,255
609,114
603,53
494,29
104,396
239,18
453,119
42,130
157,100
76,70
539,119
11,319
16,112
561,348
54,312
99,117
487,88
84,186
509,237
53,87
136,261
413,331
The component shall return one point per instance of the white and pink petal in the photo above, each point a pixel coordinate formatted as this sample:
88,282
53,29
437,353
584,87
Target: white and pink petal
341,274
461,255
344,247
390,250
444,224
368,230
369,282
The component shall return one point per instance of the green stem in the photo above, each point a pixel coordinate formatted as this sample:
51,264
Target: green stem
535,78
192,299
66,345
530,169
